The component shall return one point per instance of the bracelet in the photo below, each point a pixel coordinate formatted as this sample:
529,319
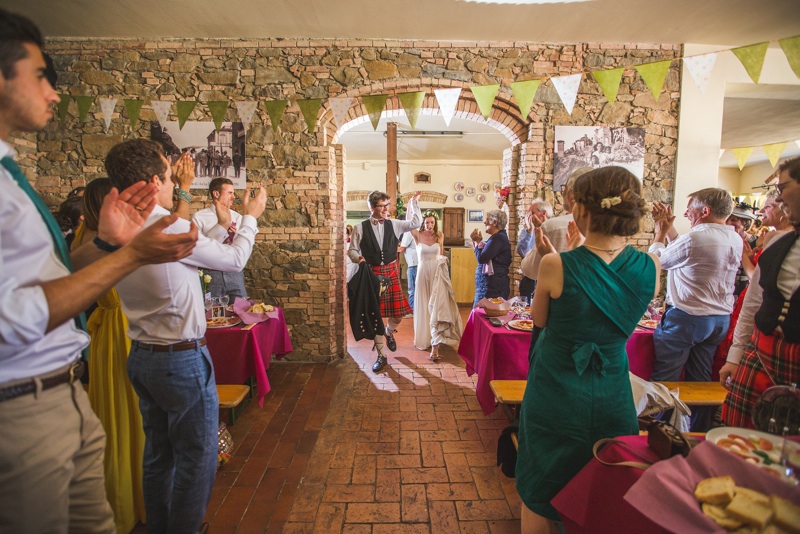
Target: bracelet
104,245
183,195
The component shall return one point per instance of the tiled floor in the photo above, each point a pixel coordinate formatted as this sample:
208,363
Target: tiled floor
337,448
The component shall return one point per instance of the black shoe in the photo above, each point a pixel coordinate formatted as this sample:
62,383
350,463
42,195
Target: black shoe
391,344
379,364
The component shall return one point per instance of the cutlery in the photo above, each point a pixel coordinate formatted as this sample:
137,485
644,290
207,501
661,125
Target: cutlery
249,326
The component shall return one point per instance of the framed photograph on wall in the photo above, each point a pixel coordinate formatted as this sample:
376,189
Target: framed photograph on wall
475,215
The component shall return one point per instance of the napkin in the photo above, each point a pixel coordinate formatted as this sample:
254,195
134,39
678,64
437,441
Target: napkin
240,307
489,305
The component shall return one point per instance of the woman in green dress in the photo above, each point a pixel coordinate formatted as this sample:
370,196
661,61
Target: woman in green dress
587,301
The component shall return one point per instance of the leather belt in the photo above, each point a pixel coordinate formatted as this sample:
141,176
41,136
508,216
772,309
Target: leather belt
69,375
175,347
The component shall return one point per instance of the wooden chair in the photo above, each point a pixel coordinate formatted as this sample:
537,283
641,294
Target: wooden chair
231,396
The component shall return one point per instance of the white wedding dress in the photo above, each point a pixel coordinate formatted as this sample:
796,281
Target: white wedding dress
436,317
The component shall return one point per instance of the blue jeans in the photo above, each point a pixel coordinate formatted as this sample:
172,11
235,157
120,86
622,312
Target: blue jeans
180,412
411,274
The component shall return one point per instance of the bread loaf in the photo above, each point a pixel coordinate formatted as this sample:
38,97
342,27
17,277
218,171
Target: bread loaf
716,490
752,512
787,515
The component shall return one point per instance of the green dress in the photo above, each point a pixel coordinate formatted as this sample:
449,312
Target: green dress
578,387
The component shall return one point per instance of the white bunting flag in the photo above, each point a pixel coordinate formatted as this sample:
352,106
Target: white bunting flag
161,109
107,106
700,68
567,88
447,99
339,107
245,111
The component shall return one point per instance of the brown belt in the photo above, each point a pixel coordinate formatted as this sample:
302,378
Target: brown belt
175,347
68,376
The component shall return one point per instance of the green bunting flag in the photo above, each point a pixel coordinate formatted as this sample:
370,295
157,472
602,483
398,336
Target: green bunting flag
752,57
608,80
133,107
374,105
774,151
412,104
184,108
63,106
484,96
524,92
275,109
791,47
742,155
310,109
218,108
84,104
654,75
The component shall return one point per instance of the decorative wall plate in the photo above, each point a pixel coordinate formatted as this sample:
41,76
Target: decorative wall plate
485,188
481,198
458,186
497,184
458,197
470,192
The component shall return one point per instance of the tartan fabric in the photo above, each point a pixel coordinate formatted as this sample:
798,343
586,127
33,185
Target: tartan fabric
393,300
782,361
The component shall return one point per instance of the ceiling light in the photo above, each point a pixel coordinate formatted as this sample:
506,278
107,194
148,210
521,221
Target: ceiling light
428,133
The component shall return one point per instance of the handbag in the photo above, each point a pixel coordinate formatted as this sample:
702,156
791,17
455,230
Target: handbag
777,410
667,441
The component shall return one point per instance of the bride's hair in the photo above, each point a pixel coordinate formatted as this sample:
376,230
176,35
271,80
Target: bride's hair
435,223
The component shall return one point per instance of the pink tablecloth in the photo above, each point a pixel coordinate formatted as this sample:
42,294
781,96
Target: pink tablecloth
641,352
240,354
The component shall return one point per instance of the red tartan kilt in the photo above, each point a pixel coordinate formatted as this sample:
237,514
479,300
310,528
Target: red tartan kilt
393,302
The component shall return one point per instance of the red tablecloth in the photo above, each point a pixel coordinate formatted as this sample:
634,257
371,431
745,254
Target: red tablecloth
240,354
641,352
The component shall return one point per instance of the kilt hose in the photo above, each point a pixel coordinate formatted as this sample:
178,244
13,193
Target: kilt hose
393,301
782,360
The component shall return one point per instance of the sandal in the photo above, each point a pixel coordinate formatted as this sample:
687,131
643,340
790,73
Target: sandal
434,356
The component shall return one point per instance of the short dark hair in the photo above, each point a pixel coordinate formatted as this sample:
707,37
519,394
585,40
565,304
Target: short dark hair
96,191
792,167
613,196
15,31
135,160
216,185
375,197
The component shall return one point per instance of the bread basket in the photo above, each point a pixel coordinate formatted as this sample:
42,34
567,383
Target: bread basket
495,313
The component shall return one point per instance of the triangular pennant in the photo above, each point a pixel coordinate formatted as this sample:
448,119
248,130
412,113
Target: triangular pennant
275,109
654,75
217,108
184,109
412,105
84,104
448,100
752,57
567,88
107,106
133,107
700,68
374,105
161,109
742,155
484,97
339,107
608,80
245,111
774,151
310,109
791,47
524,93
63,106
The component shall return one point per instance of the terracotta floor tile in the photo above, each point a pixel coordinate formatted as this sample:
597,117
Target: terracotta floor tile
387,512
330,518
413,504
387,485
349,493
443,518
364,470
483,510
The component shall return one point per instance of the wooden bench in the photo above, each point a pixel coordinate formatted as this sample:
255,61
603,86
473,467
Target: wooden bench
231,396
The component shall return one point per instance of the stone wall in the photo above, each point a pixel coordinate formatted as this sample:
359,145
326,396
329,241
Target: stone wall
297,261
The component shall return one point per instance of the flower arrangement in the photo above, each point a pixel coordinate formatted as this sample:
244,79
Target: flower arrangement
205,280
430,213
501,195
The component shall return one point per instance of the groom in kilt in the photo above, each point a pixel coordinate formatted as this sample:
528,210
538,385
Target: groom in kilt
375,241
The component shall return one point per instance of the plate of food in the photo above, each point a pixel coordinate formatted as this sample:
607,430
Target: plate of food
650,324
223,322
525,325
758,448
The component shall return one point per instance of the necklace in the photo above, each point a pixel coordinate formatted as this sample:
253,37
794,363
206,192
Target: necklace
609,251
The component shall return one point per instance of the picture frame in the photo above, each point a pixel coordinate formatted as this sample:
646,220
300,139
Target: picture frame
474,215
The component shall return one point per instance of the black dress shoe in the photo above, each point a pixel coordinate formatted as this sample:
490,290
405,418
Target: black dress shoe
391,344
379,364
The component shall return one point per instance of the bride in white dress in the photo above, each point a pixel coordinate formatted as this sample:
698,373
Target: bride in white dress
436,317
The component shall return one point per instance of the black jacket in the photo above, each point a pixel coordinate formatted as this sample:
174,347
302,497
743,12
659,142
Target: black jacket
363,291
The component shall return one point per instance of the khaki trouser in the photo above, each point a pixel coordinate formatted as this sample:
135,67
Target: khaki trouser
51,464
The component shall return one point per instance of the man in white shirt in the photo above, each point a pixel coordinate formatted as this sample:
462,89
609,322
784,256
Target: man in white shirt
409,249
701,267
52,446
219,222
169,366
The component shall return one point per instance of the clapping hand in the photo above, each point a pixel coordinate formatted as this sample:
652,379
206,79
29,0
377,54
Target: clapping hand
224,217
123,215
574,236
476,236
183,172
543,244
255,206
153,245
662,214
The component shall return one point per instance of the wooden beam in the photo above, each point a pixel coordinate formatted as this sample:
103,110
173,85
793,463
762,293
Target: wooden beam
391,165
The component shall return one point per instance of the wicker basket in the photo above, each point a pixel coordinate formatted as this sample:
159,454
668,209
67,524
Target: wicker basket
495,313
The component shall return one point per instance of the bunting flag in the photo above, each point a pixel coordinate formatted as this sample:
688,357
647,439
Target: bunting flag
752,57
567,88
339,107
742,155
310,109
133,107
107,106
218,109
374,105
84,104
448,100
412,105
484,97
608,80
700,68
161,109
654,75
63,106
275,109
184,109
791,47
245,110
524,93
774,151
